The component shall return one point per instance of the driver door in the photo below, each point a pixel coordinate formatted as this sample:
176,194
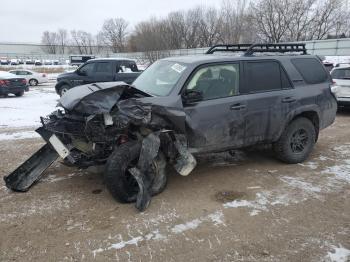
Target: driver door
85,75
216,122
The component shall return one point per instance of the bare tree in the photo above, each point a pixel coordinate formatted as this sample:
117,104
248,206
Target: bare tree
49,42
329,18
232,22
272,19
83,41
192,27
62,40
115,33
301,12
233,15
176,27
210,26
296,20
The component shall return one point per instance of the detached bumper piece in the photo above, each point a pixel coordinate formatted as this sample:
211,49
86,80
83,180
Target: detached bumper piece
31,170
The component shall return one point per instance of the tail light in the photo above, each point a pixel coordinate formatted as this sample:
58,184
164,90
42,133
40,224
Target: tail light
24,81
4,82
334,87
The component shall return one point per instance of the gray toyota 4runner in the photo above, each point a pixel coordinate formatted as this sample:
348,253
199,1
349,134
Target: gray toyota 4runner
184,106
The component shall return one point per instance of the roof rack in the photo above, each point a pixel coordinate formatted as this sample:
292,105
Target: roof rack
250,49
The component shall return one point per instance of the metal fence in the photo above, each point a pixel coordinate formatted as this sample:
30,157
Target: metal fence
331,47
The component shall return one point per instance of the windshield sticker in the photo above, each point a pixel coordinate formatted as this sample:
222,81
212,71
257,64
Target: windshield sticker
178,68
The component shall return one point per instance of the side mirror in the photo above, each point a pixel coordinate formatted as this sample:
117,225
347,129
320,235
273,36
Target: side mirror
81,73
192,96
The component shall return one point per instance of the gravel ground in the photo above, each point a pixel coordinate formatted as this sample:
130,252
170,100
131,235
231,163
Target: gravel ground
249,207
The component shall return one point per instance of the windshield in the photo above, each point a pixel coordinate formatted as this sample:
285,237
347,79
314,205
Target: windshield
160,78
341,74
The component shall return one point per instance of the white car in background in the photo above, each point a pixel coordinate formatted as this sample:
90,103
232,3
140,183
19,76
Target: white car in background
341,86
33,78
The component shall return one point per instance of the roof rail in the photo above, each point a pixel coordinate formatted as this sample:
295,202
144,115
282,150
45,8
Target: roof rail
250,49
228,48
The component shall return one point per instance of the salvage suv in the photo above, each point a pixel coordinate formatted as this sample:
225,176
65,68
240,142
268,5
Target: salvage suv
184,106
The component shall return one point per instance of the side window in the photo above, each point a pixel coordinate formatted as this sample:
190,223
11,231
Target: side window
262,76
128,67
103,67
216,81
341,73
311,70
87,69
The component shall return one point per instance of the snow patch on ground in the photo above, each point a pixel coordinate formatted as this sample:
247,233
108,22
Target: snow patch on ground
340,254
53,178
340,172
18,135
215,218
310,164
300,184
186,226
38,207
25,111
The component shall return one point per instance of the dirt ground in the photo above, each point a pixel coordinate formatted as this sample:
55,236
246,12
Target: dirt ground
249,207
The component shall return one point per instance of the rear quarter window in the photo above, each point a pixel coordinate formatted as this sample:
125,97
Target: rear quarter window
311,70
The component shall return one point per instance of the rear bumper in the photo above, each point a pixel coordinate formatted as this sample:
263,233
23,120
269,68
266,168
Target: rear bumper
343,101
11,90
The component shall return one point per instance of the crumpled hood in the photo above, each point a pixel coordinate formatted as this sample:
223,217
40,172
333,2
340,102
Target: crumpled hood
95,98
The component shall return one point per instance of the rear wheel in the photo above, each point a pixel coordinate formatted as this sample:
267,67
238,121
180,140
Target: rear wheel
33,82
20,93
296,142
121,184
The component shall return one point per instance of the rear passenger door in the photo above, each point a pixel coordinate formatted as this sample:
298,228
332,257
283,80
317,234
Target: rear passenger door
266,90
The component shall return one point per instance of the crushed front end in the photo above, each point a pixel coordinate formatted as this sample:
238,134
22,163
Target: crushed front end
98,120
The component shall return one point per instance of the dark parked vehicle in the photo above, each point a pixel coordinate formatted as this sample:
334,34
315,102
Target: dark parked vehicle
78,60
11,84
98,70
184,106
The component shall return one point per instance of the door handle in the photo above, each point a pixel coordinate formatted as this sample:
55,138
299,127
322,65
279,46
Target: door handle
288,100
237,107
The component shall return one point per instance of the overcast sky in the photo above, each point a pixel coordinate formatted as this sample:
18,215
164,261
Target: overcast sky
25,20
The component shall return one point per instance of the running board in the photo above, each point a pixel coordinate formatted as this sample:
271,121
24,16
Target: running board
31,170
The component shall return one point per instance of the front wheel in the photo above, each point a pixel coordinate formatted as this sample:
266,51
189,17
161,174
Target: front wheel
119,181
33,82
20,93
63,89
296,141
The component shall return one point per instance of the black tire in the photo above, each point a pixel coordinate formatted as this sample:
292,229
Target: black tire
63,89
296,141
33,82
120,183
20,93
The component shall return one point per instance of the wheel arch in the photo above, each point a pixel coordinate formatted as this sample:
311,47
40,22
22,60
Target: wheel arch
60,84
310,112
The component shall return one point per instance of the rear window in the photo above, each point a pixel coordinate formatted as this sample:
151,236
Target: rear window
311,70
341,73
263,76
